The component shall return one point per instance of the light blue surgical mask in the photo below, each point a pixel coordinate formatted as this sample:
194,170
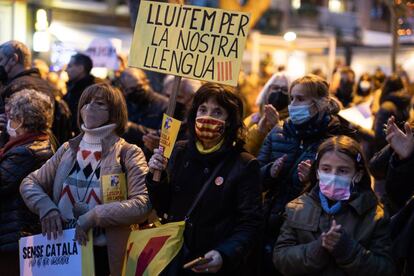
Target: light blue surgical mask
300,114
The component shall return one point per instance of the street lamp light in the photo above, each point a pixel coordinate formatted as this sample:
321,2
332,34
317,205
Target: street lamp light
41,38
289,36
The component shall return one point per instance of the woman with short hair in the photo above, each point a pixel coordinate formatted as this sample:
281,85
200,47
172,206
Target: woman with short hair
77,178
29,116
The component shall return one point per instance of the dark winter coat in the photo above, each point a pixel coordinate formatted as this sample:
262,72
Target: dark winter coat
15,218
28,79
398,189
147,109
228,218
364,248
395,104
402,229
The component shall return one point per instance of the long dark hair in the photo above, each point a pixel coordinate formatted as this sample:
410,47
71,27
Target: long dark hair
350,148
392,84
230,101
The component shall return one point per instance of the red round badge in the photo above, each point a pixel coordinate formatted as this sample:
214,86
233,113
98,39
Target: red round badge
219,180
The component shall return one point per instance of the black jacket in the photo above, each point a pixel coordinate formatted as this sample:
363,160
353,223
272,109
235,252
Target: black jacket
398,175
395,104
147,108
28,79
228,218
15,219
400,190
75,90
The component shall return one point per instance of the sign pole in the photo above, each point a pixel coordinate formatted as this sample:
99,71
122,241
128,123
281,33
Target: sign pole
170,112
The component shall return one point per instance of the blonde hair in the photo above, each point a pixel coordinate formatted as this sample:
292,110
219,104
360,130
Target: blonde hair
318,89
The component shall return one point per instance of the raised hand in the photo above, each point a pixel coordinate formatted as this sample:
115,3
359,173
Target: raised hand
332,237
304,168
158,161
402,143
151,140
269,119
277,166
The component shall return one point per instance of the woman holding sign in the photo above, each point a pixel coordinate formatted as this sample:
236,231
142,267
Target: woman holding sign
96,181
224,226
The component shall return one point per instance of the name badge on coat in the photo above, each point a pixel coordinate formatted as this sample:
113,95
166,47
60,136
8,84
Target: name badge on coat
114,187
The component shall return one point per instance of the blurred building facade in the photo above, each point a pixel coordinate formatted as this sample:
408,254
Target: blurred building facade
66,26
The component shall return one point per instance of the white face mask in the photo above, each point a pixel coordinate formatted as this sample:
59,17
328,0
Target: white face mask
11,131
365,85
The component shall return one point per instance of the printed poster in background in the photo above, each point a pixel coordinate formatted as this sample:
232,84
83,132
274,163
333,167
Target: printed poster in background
169,133
60,257
190,41
359,115
103,52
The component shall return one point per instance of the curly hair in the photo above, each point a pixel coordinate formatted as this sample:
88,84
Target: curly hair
33,108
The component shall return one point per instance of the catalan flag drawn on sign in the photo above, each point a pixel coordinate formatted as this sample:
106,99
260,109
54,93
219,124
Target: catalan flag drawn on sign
149,251
224,70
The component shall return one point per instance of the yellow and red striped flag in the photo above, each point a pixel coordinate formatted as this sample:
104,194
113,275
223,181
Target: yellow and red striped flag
149,251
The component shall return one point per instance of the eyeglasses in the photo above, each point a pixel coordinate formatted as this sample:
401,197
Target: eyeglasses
96,106
282,89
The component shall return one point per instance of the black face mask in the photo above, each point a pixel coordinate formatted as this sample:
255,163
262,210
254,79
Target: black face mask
346,86
136,95
363,93
279,100
3,75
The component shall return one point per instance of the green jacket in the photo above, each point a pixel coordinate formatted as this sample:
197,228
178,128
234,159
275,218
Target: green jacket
364,249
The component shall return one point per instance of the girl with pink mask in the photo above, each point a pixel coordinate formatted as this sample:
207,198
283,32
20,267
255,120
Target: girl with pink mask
338,227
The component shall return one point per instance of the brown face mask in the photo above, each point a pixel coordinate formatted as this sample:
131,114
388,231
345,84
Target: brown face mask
94,115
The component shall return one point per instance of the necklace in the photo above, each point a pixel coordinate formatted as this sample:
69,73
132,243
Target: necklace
80,207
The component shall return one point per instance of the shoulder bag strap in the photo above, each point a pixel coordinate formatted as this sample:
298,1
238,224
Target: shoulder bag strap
205,186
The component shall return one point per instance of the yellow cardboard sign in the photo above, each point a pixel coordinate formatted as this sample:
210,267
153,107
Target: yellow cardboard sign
149,251
190,41
114,187
169,133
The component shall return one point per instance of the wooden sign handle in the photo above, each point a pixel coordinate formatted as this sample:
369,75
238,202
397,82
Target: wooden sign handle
170,112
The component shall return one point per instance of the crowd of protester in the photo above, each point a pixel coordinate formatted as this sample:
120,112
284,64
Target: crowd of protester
296,189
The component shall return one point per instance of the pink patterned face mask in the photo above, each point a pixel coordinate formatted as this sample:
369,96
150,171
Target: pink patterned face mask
335,187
